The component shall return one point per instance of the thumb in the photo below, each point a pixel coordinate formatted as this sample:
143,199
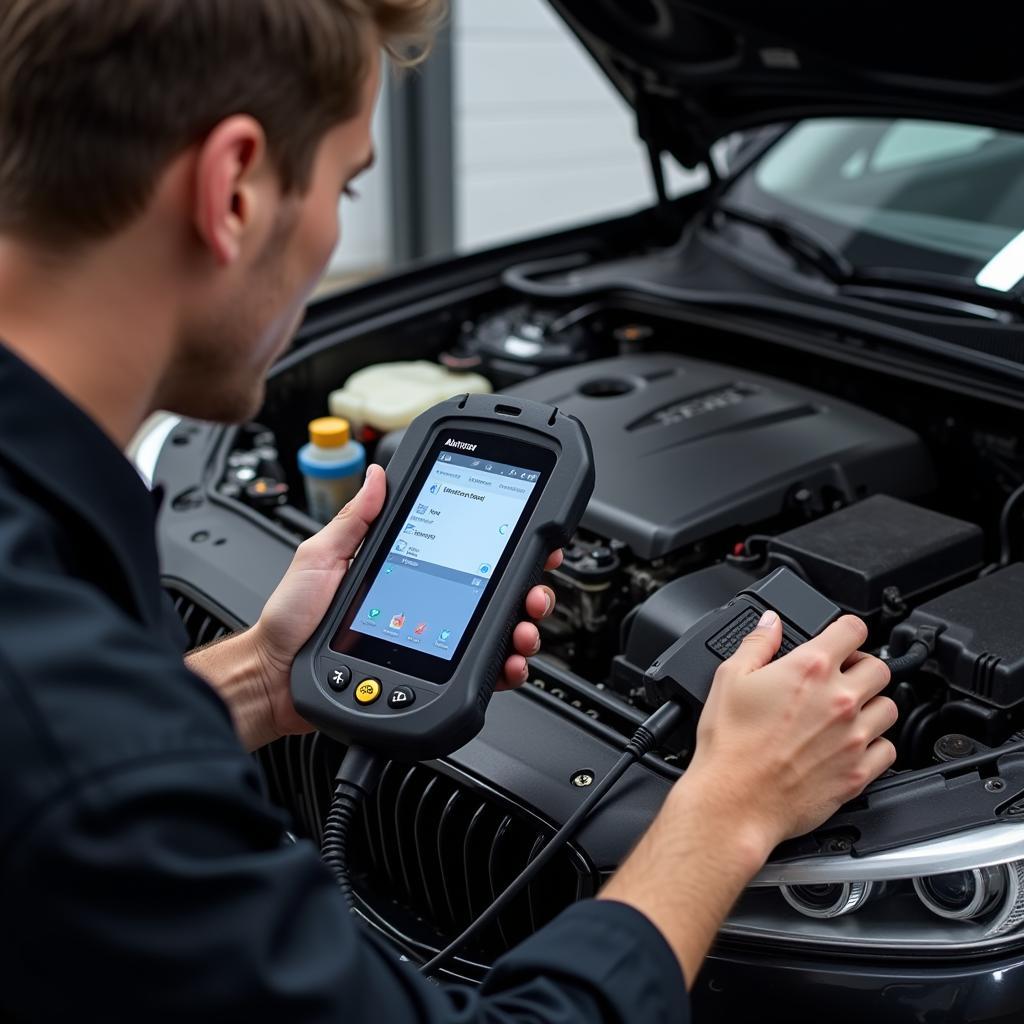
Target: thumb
340,538
759,645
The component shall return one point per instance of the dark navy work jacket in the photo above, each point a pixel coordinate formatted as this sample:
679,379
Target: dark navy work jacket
143,875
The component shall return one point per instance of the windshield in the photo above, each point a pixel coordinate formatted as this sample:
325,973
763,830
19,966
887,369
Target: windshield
913,195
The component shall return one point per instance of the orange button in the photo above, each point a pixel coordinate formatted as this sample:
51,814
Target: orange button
368,691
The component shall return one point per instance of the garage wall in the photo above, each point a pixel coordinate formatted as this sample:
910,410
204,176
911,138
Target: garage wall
365,244
542,139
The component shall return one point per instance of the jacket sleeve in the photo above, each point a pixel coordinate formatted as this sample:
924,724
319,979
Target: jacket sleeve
160,890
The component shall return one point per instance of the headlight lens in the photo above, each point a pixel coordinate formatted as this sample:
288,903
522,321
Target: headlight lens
828,900
962,895
992,895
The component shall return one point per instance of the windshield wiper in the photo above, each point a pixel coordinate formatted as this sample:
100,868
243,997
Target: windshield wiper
961,293
799,241
927,290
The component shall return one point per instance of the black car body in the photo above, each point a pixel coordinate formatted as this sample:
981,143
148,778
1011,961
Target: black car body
813,362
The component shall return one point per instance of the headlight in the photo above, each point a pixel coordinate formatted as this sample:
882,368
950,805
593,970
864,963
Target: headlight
958,893
993,895
962,895
829,899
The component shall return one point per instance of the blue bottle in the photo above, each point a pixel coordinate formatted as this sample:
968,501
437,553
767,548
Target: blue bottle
332,467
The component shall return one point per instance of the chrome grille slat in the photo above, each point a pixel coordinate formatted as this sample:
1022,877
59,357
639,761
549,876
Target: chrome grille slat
424,847
202,625
404,810
447,823
493,869
534,850
387,854
469,861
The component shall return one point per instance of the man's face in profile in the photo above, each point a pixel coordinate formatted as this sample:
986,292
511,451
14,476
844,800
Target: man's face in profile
227,350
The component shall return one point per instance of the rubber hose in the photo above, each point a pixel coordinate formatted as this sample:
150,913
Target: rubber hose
914,657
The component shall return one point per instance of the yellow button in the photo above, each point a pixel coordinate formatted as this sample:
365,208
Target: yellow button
368,691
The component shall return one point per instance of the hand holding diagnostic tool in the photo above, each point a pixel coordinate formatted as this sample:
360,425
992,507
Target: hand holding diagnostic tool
482,489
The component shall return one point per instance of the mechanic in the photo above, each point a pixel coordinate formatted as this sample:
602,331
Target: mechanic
169,181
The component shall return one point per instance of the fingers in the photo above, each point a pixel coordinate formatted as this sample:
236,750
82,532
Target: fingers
526,639
341,537
515,674
554,560
880,757
853,659
869,675
540,602
759,645
839,640
877,717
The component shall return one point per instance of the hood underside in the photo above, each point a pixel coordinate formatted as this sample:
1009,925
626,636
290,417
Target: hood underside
694,72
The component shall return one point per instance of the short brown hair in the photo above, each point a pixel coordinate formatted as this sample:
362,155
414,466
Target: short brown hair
98,96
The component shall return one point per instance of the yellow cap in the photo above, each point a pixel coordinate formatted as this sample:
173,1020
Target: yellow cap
329,432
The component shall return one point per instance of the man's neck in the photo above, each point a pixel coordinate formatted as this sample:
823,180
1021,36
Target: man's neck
99,338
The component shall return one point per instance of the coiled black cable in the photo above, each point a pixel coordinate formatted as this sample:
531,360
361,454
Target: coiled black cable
334,850
356,779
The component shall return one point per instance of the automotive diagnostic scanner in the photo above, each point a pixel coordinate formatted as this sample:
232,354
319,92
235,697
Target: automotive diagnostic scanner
481,490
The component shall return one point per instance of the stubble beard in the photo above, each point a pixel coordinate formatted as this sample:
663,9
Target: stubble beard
220,375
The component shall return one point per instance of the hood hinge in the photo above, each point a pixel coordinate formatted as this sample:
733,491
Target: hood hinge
661,133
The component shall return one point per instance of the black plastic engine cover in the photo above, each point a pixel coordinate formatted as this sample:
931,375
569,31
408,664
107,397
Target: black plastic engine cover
855,554
685,448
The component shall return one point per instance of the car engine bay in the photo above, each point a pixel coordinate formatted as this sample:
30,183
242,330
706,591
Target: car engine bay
694,456
709,475
720,457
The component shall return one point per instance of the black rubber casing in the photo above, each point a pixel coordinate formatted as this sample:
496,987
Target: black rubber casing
444,716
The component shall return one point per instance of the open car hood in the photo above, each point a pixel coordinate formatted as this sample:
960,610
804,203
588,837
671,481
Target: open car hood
696,71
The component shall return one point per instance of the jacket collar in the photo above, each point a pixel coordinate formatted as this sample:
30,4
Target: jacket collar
50,440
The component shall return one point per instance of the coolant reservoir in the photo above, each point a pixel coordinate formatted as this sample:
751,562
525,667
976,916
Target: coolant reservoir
389,396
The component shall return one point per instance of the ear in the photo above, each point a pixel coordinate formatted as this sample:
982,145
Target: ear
228,170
